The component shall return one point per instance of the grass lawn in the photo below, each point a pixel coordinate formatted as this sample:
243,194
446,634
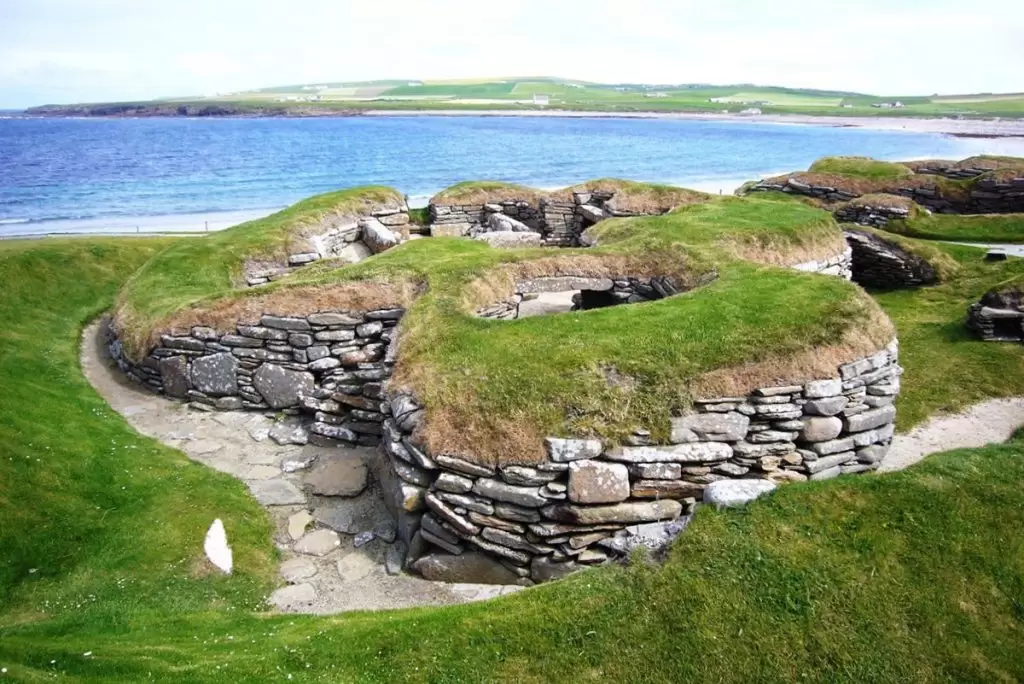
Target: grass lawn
998,228
916,576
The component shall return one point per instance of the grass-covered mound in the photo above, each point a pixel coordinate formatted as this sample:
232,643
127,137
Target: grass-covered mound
634,197
192,269
494,389
483,192
915,576
998,228
861,167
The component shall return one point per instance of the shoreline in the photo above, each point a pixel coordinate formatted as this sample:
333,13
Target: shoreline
964,128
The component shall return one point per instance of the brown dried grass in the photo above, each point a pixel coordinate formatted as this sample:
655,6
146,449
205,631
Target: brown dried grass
770,251
486,192
225,314
796,368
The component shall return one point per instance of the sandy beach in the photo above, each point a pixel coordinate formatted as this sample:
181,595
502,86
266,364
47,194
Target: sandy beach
980,128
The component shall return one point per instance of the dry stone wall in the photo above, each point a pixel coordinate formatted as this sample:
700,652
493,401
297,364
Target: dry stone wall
330,364
883,264
351,239
999,316
588,502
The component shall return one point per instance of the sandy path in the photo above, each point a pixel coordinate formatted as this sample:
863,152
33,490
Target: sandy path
344,579
989,422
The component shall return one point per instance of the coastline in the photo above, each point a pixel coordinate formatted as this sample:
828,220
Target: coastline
971,128
966,128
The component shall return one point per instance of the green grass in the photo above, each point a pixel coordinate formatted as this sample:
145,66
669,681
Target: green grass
861,167
192,269
916,576
464,367
997,228
90,512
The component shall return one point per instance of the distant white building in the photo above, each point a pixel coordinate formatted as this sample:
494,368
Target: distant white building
752,111
541,100
656,94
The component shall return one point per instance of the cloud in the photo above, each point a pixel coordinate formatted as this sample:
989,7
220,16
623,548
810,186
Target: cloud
74,50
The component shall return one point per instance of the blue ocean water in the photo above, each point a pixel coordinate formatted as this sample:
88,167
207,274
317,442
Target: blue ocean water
109,174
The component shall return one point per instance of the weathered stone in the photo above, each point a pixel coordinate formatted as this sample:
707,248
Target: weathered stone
665,489
527,477
470,503
872,454
826,407
827,462
215,375
318,543
377,236
509,511
285,323
821,389
564,284
517,557
593,482
174,375
657,471
511,240
713,427
294,570
463,466
297,524
326,364
820,429
471,567
345,335
446,513
871,419
456,484
778,391
627,512
334,319
700,452
733,493
280,387
827,474
566,450
498,523
513,541
276,492
338,474
293,598
353,567
832,447
527,497
288,433
261,333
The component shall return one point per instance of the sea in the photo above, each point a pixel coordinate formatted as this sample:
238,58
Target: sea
67,176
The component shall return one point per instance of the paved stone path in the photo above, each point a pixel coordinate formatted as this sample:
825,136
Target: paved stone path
317,535
989,422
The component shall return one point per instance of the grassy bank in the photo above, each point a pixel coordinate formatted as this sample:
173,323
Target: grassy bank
915,576
997,228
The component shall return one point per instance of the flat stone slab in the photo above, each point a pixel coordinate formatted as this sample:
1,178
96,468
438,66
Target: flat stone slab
355,566
318,543
297,524
276,492
294,570
563,284
471,567
342,474
735,493
295,598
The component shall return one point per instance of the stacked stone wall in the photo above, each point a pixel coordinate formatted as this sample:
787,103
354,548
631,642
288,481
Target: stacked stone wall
332,365
883,264
587,501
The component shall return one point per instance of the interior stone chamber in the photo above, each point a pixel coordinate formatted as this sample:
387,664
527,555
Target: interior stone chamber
587,502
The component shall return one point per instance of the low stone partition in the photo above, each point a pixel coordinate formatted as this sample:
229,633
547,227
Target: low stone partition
587,502
840,265
593,293
999,192
350,238
999,316
558,219
875,210
880,263
332,364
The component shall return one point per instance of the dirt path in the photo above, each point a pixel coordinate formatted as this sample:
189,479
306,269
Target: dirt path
989,422
325,571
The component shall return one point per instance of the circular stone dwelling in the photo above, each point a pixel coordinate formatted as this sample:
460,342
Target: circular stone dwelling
550,379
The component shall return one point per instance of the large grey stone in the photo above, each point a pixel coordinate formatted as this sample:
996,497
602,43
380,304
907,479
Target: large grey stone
596,482
821,429
528,497
293,598
510,240
565,450
377,236
216,375
341,474
543,569
471,567
564,284
733,493
294,570
829,462
699,452
820,389
280,387
174,375
711,427
829,406
627,512
502,223
871,419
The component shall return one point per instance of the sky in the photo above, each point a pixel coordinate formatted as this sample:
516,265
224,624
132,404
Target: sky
64,51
